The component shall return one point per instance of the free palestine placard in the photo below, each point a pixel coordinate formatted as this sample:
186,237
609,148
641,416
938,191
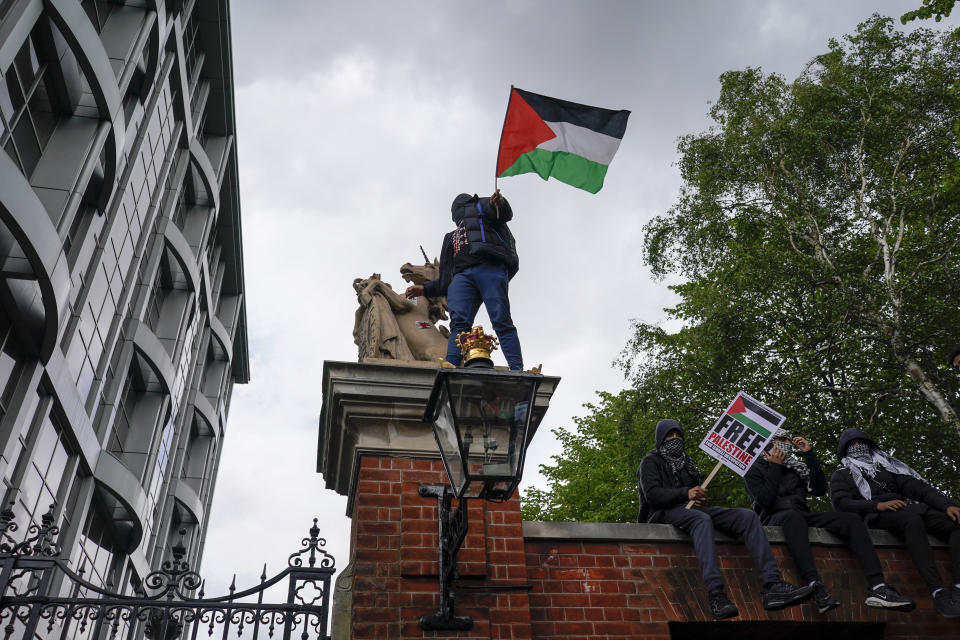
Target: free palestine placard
742,433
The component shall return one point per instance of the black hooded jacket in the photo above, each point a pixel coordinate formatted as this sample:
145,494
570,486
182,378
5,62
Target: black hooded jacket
845,495
656,485
776,487
481,236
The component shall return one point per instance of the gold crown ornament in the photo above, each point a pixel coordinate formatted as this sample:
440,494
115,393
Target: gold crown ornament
476,345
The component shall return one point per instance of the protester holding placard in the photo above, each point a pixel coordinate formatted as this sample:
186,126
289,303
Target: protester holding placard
668,478
889,495
778,484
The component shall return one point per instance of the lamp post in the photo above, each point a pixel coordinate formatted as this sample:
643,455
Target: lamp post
481,420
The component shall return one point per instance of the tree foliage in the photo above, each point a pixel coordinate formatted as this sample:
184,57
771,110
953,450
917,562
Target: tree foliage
936,9
818,241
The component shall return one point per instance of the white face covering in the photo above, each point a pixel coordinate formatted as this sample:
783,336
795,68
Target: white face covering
862,460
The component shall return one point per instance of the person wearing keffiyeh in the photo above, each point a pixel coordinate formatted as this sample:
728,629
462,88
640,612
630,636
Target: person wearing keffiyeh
887,494
778,483
667,480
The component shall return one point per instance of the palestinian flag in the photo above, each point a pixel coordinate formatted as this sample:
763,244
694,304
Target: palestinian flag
572,142
755,415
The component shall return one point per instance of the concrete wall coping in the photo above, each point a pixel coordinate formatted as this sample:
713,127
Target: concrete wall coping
635,532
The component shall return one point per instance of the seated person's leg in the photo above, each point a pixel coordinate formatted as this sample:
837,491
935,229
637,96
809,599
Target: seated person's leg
794,526
943,527
698,525
850,527
910,526
745,525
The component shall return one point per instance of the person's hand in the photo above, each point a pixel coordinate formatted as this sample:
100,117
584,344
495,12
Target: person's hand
802,444
496,199
892,505
414,291
776,455
698,495
954,513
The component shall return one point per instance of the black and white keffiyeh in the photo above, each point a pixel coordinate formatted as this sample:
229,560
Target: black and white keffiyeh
675,454
863,462
790,460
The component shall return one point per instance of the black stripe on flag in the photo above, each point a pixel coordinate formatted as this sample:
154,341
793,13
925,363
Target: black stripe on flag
761,411
606,121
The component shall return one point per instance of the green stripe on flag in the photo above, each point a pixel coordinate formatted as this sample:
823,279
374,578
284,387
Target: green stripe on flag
742,417
564,166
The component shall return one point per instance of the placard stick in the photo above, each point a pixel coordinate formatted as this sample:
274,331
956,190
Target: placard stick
706,482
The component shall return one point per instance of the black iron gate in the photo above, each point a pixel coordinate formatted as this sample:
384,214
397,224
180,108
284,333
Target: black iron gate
169,604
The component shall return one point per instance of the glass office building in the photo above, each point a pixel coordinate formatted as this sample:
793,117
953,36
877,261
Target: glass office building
122,318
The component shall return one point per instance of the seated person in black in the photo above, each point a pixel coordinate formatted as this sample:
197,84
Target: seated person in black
667,480
778,484
889,495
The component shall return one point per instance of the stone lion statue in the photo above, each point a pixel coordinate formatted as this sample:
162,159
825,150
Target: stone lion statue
389,326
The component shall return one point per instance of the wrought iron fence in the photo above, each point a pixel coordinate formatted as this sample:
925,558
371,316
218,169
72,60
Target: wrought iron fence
169,604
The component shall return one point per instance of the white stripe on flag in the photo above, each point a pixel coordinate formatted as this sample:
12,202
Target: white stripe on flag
597,147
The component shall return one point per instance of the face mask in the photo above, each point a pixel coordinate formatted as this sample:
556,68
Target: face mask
673,447
786,447
859,451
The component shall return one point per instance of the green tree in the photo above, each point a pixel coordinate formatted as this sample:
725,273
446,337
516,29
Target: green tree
818,242
936,9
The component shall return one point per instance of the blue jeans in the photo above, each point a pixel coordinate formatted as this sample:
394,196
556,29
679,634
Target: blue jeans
487,284
741,523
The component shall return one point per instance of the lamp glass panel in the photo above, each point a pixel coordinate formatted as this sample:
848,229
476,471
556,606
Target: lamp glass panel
491,416
444,430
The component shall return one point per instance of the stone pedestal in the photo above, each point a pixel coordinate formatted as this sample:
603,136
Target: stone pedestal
375,448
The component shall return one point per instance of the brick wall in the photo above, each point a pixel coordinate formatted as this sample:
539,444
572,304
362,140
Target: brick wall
395,558
568,580
634,590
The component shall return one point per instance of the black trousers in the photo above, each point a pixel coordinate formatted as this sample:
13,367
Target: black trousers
848,526
913,527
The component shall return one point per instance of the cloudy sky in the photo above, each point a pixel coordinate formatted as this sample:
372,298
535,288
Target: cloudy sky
358,122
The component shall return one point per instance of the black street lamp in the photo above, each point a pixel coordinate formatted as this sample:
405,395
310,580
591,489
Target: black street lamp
481,421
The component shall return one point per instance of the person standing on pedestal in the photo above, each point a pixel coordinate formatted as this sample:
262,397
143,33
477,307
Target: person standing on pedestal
477,261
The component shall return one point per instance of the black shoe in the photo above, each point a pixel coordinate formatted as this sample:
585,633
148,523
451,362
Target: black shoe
886,597
947,604
720,605
778,595
822,599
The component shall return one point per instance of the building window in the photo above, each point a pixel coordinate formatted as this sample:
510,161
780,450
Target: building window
125,417
171,301
42,478
215,371
98,11
27,118
96,548
11,363
142,405
192,49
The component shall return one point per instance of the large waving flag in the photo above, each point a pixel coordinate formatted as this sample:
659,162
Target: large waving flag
572,142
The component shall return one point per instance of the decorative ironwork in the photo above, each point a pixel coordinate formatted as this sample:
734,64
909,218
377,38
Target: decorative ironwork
169,604
453,529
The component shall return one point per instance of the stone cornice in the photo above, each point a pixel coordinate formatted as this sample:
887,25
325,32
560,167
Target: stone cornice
377,409
635,532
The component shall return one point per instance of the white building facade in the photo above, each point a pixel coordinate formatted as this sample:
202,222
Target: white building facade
122,317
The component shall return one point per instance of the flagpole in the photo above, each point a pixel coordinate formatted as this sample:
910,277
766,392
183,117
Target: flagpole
502,127
707,481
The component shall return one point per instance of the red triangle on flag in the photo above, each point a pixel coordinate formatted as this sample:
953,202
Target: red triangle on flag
523,130
737,406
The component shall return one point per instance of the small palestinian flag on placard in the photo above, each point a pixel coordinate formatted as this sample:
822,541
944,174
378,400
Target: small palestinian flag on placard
571,142
755,415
